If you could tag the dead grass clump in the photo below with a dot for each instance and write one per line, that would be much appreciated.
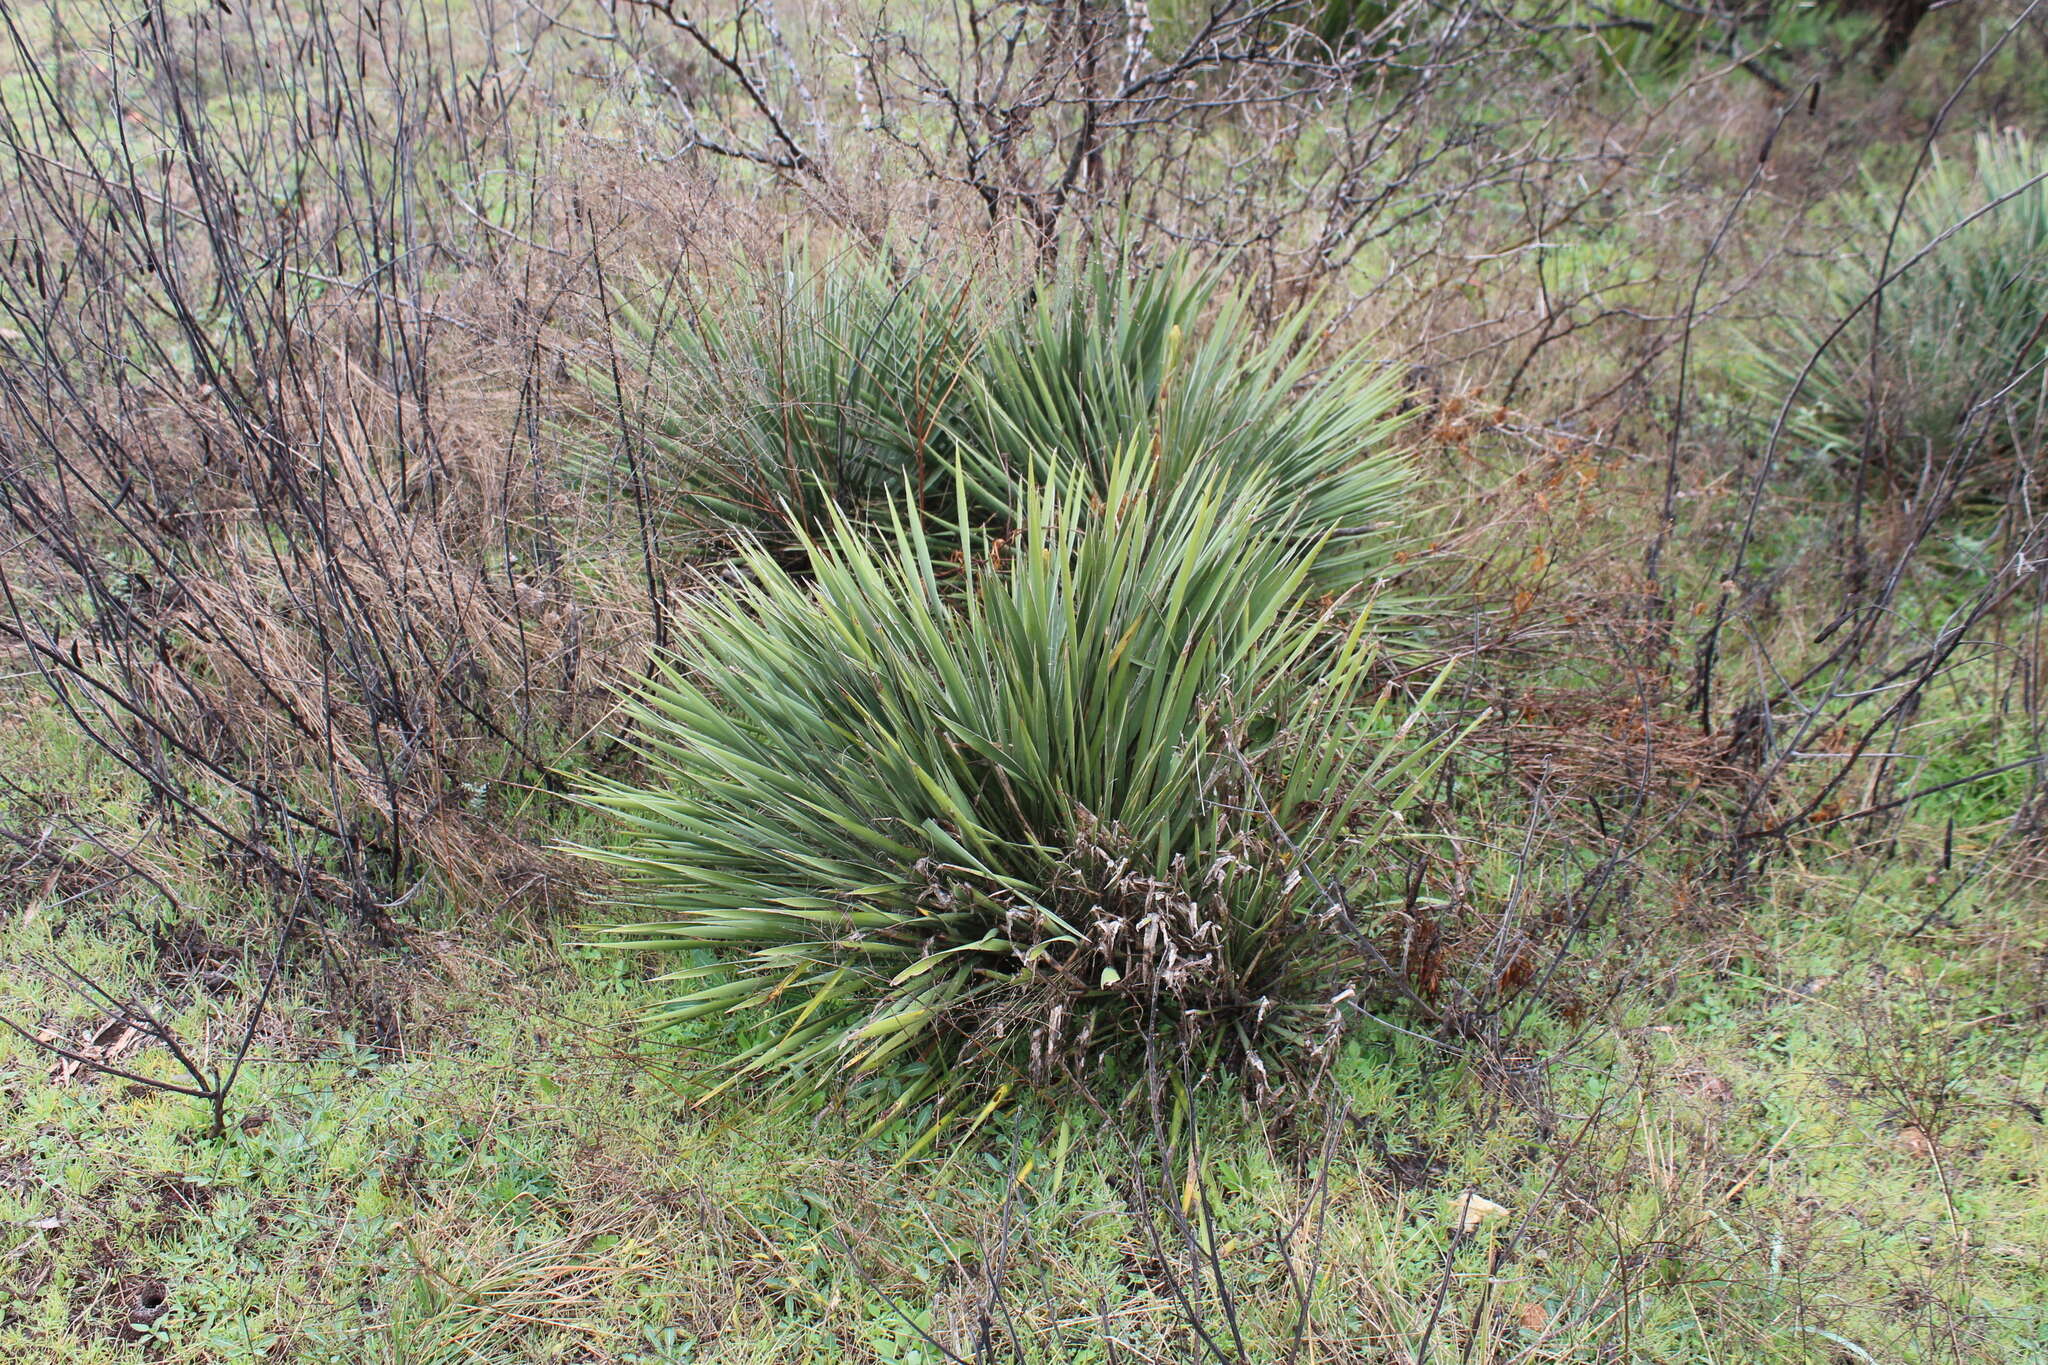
(1599, 743)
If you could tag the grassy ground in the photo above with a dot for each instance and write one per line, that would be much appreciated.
(1813, 1132)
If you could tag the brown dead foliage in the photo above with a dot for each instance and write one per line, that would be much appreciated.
(1596, 742)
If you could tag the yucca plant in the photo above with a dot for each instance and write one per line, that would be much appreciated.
(952, 830)
(801, 392)
(1659, 41)
(826, 388)
(1965, 339)
(1106, 360)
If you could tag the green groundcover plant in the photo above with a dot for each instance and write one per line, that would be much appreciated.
(952, 827)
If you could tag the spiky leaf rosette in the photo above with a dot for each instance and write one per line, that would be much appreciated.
(821, 388)
(1163, 361)
(795, 394)
(1964, 357)
(951, 828)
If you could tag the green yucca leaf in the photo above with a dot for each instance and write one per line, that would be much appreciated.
(806, 390)
(1104, 363)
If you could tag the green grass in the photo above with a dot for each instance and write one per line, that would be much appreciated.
(1785, 1154)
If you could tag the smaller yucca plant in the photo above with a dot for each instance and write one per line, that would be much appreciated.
(796, 394)
(1964, 335)
(1107, 360)
(950, 829)
(830, 386)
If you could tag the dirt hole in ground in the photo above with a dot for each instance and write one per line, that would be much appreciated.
(141, 1302)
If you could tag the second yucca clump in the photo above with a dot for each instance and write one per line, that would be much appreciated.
(832, 386)
(1962, 360)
